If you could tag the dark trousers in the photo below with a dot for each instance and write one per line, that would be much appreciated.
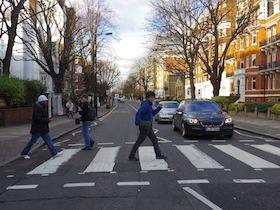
(141, 138)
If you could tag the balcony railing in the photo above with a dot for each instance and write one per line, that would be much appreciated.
(270, 40)
(271, 65)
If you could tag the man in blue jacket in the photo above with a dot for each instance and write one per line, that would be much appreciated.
(144, 119)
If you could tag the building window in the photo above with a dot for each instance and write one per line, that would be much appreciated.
(254, 56)
(270, 8)
(254, 39)
(253, 83)
(247, 61)
(242, 44)
(242, 63)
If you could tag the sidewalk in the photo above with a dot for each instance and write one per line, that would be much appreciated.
(14, 138)
(263, 127)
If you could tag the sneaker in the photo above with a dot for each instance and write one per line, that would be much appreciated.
(161, 157)
(86, 148)
(132, 159)
(91, 143)
(26, 157)
(58, 154)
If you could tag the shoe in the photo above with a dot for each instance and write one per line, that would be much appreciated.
(86, 148)
(26, 157)
(91, 143)
(161, 157)
(58, 154)
(132, 159)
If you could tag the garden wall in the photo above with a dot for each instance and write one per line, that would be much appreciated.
(15, 116)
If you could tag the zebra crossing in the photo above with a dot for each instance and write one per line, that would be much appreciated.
(105, 159)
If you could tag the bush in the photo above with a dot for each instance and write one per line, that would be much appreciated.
(238, 106)
(275, 109)
(12, 90)
(33, 88)
(262, 107)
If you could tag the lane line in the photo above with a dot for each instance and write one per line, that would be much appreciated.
(51, 165)
(248, 181)
(245, 157)
(191, 141)
(75, 145)
(148, 161)
(202, 199)
(163, 140)
(268, 148)
(198, 158)
(141, 183)
(84, 184)
(22, 187)
(106, 143)
(193, 181)
(104, 161)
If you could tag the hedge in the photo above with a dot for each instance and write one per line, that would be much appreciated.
(20, 93)
(275, 109)
(262, 107)
(238, 106)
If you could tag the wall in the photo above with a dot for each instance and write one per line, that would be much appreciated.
(15, 116)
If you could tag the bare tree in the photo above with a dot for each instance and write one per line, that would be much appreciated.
(107, 72)
(9, 20)
(172, 21)
(53, 33)
(215, 46)
(98, 22)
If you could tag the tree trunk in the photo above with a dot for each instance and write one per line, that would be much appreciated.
(192, 86)
(58, 83)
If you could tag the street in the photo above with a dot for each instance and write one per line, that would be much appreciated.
(199, 173)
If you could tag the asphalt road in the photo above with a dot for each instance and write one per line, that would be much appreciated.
(200, 173)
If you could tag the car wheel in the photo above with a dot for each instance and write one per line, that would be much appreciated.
(229, 136)
(184, 131)
(175, 128)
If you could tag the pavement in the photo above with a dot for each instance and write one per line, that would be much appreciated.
(14, 138)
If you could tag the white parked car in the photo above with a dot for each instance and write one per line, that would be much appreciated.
(167, 111)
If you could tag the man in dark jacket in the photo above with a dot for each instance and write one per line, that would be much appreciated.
(86, 122)
(144, 118)
(40, 127)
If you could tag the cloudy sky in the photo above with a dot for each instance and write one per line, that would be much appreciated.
(131, 16)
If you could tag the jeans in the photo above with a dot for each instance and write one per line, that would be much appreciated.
(141, 138)
(47, 139)
(87, 138)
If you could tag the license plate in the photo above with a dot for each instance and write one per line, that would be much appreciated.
(212, 129)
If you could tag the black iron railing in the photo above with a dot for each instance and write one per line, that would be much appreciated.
(270, 65)
(270, 40)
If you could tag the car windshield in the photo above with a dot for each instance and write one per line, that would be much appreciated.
(202, 107)
(173, 105)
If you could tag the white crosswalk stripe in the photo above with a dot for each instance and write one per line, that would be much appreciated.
(245, 157)
(51, 165)
(104, 161)
(198, 158)
(148, 161)
(268, 148)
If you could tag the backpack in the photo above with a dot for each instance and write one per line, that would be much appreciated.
(91, 113)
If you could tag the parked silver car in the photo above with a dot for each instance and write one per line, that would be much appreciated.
(167, 111)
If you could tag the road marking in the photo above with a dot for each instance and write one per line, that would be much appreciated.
(218, 141)
(93, 124)
(202, 199)
(74, 133)
(248, 181)
(245, 157)
(66, 140)
(155, 130)
(142, 183)
(249, 141)
(242, 134)
(75, 145)
(198, 158)
(106, 143)
(10, 176)
(51, 165)
(148, 161)
(84, 184)
(132, 107)
(163, 140)
(22, 187)
(104, 161)
(268, 148)
(191, 141)
(130, 142)
(193, 181)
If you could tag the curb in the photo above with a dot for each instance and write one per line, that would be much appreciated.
(256, 132)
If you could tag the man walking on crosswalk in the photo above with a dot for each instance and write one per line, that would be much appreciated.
(144, 119)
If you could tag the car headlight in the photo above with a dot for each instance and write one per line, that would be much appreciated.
(193, 121)
(228, 120)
